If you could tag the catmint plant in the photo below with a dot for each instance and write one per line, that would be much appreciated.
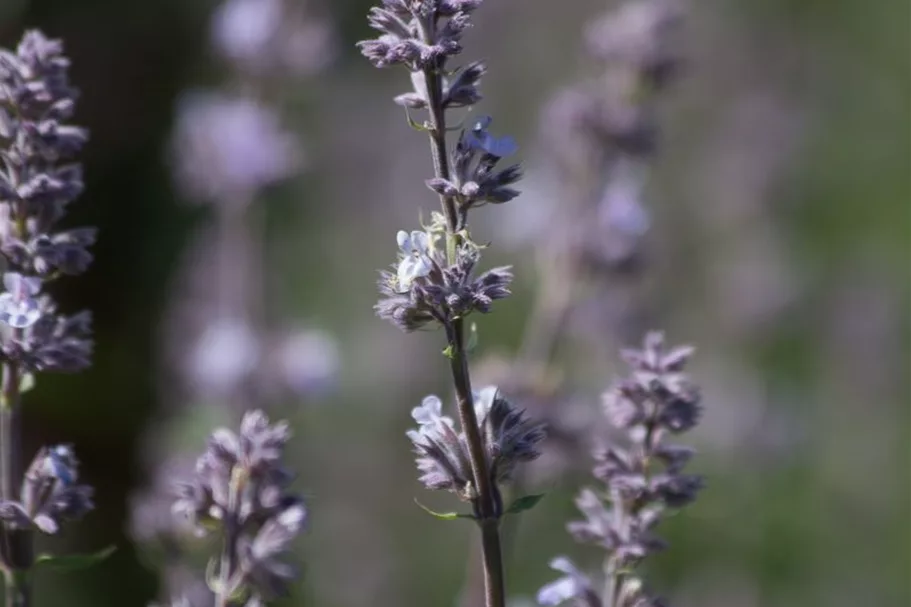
(38, 180)
(229, 147)
(436, 281)
(643, 479)
(240, 490)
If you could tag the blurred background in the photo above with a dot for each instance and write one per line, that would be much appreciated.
(778, 206)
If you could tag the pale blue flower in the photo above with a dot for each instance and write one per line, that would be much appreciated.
(416, 261)
(18, 306)
(574, 585)
(482, 140)
(429, 415)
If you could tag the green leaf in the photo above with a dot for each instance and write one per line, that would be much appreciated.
(424, 128)
(524, 503)
(449, 352)
(446, 516)
(75, 562)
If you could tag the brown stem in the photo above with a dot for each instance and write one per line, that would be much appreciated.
(487, 503)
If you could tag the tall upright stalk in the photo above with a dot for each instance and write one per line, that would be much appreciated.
(38, 181)
(455, 336)
(437, 285)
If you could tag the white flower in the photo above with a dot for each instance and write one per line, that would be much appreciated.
(570, 586)
(18, 306)
(416, 261)
(429, 415)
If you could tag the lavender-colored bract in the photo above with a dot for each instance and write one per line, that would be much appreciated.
(642, 480)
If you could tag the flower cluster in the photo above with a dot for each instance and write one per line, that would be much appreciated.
(475, 182)
(240, 488)
(642, 481)
(425, 288)
(418, 34)
(507, 435)
(37, 182)
(604, 133)
(50, 494)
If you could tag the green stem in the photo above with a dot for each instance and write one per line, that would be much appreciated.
(229, 547)
(17, 543)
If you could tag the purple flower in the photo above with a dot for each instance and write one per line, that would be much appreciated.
(227, 149)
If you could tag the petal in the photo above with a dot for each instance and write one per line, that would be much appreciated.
(415, 437)
(423, 266)
(558, 591)
(11, 281)
(407, 272)
(46, 524)
(433, 406)
(561, 563)
(501, 146)
(429, 412)
(31, 285)
(19, 314)
(483, 401)
(420, 241)
(403, 241)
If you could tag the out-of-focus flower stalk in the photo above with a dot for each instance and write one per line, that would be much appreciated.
(643, 479)
(36, 185)
(230, 146)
